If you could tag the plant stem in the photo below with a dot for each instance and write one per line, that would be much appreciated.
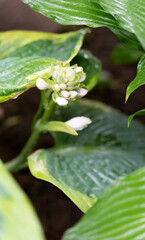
(21, 160)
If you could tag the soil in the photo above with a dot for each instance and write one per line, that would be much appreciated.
(56, 212)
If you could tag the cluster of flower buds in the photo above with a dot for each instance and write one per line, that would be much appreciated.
(66, 83)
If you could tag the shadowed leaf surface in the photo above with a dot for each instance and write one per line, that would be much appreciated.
(83, 166)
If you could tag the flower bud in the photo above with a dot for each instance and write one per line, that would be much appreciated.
(56, 87)
(82, 78)
(81, 92)
(41, 84)
(65, 94)
(79, 123)
(64, 81)
(61, 101)
(79, 69)
(73, 94)
(70, 74)
(62, 86)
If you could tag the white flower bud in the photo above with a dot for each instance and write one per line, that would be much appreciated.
(81, 92)
(41, 84)
(79, 69)
(65, 94)
(62, 86)
(73, 94)
(79, 123)
(70, 74)
(55, 75)
(56, 87)
(83, 77)
(61, 101)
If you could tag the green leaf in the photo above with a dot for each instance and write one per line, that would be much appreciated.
(122, 54)
(139, 113)
(83, 166)
(139, 80)
(60, 47)
(57, 127)
(91, 66)
(82, 12)
(17, 217)
(120, 213)
(129, 14)
(26, 56)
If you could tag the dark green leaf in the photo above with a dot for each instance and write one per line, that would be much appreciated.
(122, 54)
(139, 80)
(85, 165)
(130, 14)
(91, 66)
(82, 12)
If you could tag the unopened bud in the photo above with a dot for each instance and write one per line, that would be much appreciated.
(73, 94)
(82, 78)
(79, 123)
(79, 69)
(70, 74)
(62, 86)
(61, 101)
(41, 84)
(81, 92)
(65, 94)
(56, 87)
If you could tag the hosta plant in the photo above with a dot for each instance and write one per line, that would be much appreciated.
(97, 161)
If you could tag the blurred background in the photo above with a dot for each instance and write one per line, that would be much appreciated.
(56, 211)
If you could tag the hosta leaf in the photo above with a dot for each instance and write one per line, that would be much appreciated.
(139, 113)
(120, 213)
(25, 56)
(60, 47)
(17, 217)
(57, 127)
(91, 66)
(139, 80)
(82, 12)
(122, 54)
(85, 165)
(130, 14)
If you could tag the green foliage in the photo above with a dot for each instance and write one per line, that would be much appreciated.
(82, 12)
(126, 18)
(139, 113)
(85, 165)
(124, 55)
(17, 217)
(120, 213)
(80, 166)
(129, 14)
(91, 66)
(56, 126)
(139, 80)
(25, 56)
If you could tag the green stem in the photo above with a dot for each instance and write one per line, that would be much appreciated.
(21, 160)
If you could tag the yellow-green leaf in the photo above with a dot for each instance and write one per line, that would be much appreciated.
(18, 220)
(57, 126)
(26, 56)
